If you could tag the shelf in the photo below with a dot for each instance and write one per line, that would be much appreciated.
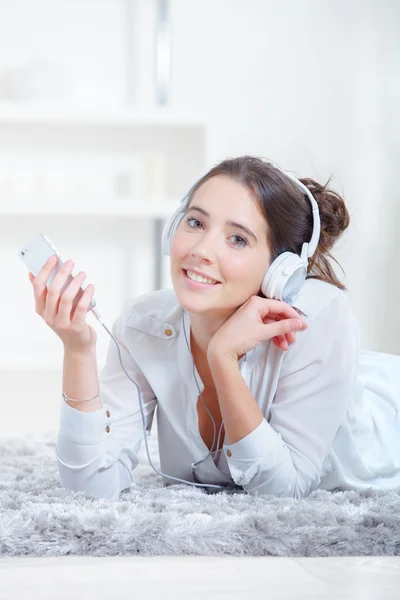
(57, 114)
(32, 365)
(36, 366)
(160, 209)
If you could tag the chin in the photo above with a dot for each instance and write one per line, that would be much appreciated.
(189, 302)
(192, 303)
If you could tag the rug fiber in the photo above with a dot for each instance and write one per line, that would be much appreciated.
(40, 518)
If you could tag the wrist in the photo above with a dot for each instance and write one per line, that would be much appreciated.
(80, 355)
(216, 357)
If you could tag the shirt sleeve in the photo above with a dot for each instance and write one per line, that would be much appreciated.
(97, 451)
(284, 456)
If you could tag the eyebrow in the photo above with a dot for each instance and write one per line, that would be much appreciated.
(229, 222)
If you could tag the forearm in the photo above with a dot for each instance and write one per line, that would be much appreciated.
(239, 410)
(81, 380)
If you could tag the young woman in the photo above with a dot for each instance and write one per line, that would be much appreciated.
(252, 344)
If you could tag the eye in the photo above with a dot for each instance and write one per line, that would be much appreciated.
(192, 219)
(243, 240)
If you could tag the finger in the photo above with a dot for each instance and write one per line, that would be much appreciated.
(65, 305)
(280, 342)
(288, 313)
(39, 284)
(54, 290)
(44, 273)
(81, 309)
(277, 340)
(274, 308)
(280, 317)
(283, 342)
(290, 337)
(282, 327)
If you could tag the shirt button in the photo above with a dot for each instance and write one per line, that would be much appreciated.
(229, 453)
(107, 413)
(168, 332)
(108, 429)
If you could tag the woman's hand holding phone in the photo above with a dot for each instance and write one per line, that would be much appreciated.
(57, 310)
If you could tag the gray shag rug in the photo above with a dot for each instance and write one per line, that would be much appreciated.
(40, 518)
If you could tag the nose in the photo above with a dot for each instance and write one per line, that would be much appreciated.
(200, 253)
(205, 248)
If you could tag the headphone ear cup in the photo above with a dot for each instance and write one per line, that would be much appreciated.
(268, 282)
(169, 231)
(284, 277)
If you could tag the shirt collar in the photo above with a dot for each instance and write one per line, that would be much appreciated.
(186, 359)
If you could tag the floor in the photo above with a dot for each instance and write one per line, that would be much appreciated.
(195, 577)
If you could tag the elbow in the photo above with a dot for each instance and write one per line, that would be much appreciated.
(104, 484)
(296, 486)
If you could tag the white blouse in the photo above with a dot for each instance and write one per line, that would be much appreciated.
(331, 411)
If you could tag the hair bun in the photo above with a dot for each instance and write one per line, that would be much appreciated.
(334, 215)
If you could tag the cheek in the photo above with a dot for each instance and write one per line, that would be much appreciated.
(248, 273)
(239, 267)
(179, 248)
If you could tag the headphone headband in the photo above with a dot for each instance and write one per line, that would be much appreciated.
(313, 243)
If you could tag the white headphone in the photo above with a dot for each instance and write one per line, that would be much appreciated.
(287, 272)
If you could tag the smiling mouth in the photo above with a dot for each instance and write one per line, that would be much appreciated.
(199, 283)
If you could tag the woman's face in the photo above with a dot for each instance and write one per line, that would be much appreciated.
(209, 241)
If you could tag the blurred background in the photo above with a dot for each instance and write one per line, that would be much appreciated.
(109, 109)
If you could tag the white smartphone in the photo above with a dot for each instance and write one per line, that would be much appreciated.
(36, 252)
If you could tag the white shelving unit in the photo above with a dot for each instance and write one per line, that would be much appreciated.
(153, 209)
(98, 178)
(50, 113)
(124, 230)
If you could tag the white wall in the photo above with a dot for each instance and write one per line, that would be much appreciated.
(84, 39)
(313, 85)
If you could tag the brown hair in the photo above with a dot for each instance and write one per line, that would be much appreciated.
(288, 211)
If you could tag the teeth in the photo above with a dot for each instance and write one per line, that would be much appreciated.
(199, 278)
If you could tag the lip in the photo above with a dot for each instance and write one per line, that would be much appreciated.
(197, 284)
(200, 273)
